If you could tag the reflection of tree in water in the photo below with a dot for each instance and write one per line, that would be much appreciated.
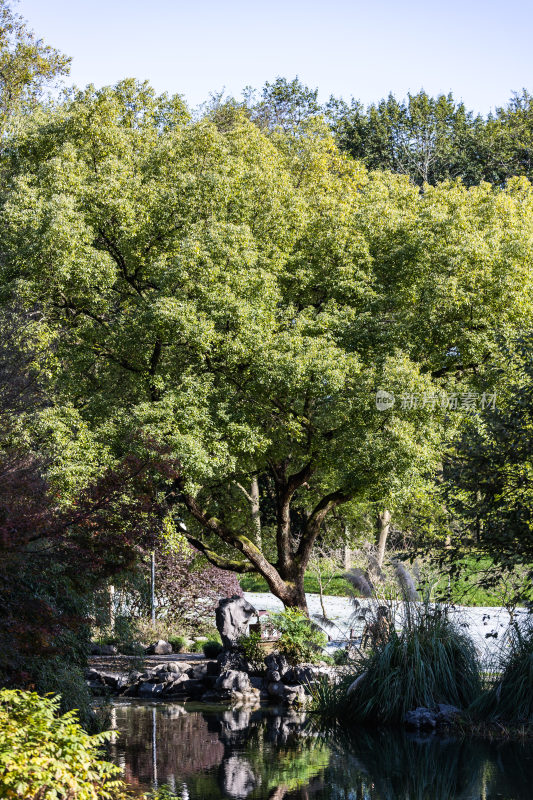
(278, 754)
(394, 765)
(265, 756)
(185, 744)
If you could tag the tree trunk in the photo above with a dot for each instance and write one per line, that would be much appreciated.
(256, 510)
(347, 553)
(383, 525)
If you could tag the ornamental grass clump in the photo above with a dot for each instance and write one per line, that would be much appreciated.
(510, 699)
(429, 661)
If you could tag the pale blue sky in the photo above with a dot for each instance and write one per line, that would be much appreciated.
(479, 50)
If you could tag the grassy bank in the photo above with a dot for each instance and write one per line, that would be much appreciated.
(470, 587)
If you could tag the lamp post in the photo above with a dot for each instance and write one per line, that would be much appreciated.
(152, 585)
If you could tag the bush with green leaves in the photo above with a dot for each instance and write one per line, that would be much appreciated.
(250, 647)
(300, 640)
(212, 648)
(43, 754)
(178, 643)
(46, 756)
(429, 661)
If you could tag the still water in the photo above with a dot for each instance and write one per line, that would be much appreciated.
(209, 754)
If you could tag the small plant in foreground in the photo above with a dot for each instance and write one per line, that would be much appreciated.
(300, 640)
(43, 754)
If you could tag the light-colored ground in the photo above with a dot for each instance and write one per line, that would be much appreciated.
(486, 626)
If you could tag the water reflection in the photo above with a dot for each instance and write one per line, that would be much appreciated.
(214, 754)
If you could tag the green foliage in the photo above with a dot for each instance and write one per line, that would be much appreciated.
(340, 657)
(430, 661)
(489, 472)
(300, 640)
(178, 643)
(510, 699)
(337, 586)
(250, 647)
(212, 648)
(27, 66)
(42, 753)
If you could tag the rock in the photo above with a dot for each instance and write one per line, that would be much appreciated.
(276, 690)
(93, 675)
(166, 672)
(229, 659)
(176, 685)
(233, 615)
(100, 680)
(233, 681)
(210, 697)
(132, 690)
(194, 689)
(159, 648)
(134, 676)
(353, 686)
(198, 672)
(295, 695)
(421, 718)
(171, 666)
(151, 689)
(256, 683)
(277, 662)
(103, 650)
(446, 714)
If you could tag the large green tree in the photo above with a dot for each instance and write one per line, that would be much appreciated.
(235, 299)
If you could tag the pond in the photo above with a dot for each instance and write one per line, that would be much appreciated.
(207, 753)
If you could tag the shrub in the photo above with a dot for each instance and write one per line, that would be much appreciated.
(511, 698)
(250, 647)
(178, 643)
(300, 640)
(430, 661)
(341, 657)
(44, 755)
(42, 752)
(212, 648)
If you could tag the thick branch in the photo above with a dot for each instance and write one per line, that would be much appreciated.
(314, 522)
(285, 489)
(219, 561)
(237, 541)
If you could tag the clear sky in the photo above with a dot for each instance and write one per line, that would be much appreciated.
(481, 51)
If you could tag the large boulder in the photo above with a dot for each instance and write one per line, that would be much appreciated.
(233, 616)
(233, 681)
(103, 650)
(159, 648)
(276, 662)
(230, 659)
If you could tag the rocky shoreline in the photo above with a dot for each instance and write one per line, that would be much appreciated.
(227, 679)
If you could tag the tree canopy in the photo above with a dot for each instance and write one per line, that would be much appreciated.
(235, 297)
